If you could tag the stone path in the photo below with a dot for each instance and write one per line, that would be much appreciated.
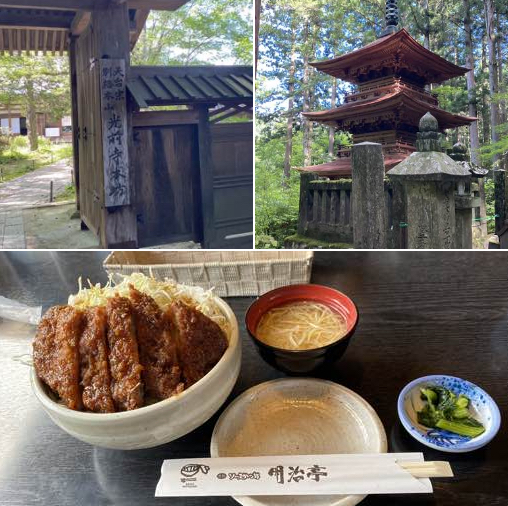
(33, 188)
(26, 191)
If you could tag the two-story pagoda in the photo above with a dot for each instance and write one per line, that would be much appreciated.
(391, 74)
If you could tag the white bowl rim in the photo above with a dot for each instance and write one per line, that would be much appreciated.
(104, 418)
(345, 500)
(383, 441)
(468, 446)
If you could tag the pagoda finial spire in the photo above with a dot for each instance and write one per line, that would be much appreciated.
(391, 18)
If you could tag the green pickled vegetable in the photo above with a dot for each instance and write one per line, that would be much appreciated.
(447, 411)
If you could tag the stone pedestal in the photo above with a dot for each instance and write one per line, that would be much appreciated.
(368, 196)
(430, 179)
(430, 214)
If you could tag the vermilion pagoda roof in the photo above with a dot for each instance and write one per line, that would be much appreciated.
(342, 166)
(391, 54)
(400, 100)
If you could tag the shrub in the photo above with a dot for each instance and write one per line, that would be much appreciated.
(19, 143)
(45, 146)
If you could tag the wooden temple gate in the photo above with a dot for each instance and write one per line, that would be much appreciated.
(144, 178)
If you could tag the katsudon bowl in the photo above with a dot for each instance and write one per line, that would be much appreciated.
(157, 423)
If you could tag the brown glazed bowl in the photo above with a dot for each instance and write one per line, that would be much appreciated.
(301, 362)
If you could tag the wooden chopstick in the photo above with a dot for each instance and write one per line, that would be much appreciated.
(431, 469)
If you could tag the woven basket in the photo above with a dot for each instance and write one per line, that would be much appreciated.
(229, 273)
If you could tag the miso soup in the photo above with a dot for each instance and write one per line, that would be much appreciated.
(301, 325)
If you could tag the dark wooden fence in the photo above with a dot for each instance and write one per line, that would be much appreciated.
(165, 154)
(232, 184)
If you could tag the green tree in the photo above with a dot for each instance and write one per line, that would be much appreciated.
(200, 32)
(37, 84)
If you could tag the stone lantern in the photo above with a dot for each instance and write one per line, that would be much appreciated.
(430, 179)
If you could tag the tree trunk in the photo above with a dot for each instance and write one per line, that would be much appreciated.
(331, 130)
(426, 34)
(307, 155)
(502, 103)
(485, 108)
(31, 115)
(473, 130)
(257, 15)
(499, 180)
(290, 119)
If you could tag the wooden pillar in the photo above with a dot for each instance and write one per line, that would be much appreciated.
(111, 32)
(74, 113)
(368, 195)
(206, 176)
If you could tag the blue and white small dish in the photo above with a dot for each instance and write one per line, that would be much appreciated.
(482, 407)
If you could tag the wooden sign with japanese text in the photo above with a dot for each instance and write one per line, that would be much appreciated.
(114, 133)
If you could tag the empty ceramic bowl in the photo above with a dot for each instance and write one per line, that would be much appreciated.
(302, 362)
(298, 416)
(482, 407)
(157, 423)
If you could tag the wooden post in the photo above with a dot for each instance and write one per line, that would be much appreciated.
(368, 206)
(74, 113)
(111, 24)
(206, 176)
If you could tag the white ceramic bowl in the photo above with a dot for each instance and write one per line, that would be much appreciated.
(298, 416)
(157, 423)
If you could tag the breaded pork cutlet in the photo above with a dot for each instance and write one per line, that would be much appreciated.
(157, 349)
(56, 353)
(200, 341)
(126, 387)
(93, 355)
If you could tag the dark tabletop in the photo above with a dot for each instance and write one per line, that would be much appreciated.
(420, 313)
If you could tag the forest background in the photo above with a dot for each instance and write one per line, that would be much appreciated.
(293, 33)
(202, 32)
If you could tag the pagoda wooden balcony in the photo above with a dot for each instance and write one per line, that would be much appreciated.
(388, 147)
(370, 93)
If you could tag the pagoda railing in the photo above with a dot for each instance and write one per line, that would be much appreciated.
(379, 91)
(388, 147)
(325, 211)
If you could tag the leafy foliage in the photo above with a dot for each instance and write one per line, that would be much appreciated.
(200, 32)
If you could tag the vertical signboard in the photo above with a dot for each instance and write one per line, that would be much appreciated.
(114, 133)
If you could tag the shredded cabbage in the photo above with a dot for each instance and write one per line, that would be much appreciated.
(163, 292)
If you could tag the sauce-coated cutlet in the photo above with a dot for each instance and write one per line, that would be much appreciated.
(56, 354)
(200, 341)
(157, 348)
(126, 387)
(117, 357)
(94, 362)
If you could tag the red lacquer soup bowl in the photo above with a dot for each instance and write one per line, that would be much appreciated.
(303, 361)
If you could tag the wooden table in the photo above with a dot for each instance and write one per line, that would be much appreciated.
(420, 313)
